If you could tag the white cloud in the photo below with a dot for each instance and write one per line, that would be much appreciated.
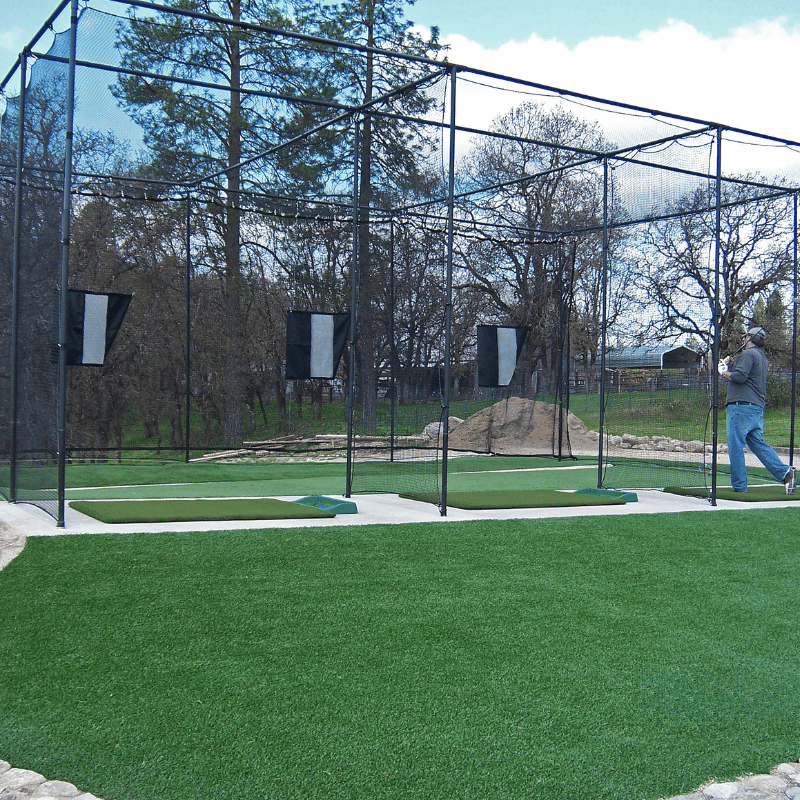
(11, 40)
(743, 81)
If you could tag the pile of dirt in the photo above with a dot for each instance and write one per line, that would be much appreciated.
(518, 426)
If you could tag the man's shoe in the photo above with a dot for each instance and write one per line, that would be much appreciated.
(790, 480)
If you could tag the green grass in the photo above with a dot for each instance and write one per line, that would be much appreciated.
(269, 423)
(107, 481)
(203, 480)
(778, 427)
(176, 472)
(622, 658)
(681, 413)
(476, 473)
(677, 414)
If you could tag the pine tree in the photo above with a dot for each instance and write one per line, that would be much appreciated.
(389, 148)
(270, 89)
(194, 129)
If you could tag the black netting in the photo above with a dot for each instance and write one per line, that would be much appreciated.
(222, 199)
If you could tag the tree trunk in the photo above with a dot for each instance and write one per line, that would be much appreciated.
(367, 315)
(232, 432)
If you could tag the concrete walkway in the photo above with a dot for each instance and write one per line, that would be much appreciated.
(373, 509)
(18, 522)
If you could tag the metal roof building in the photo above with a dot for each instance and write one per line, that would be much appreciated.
(662, 357)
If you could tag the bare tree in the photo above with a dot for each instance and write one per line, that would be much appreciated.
(676, 277)
(521, 255)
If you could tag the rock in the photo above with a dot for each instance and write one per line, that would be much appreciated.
(721, 791)
(433, 429)
(17, 778)
(763, 783)
(792, 770)
(11, 545)
(57, 790)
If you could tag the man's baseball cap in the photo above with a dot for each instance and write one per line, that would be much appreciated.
(758, 336)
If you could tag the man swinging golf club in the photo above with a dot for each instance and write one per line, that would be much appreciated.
(744, 407)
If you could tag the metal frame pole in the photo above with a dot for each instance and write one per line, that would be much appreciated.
(794, 337)
(603, 323)
(561, 344)
(717, 315)
(448, 313)
(187, 436)
(351, 378)
(66, 211)
(15, 266)
(392, 344)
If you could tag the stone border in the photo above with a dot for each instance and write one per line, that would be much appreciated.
(19, 783)
(12, 544)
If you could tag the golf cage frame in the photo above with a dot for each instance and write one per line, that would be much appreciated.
(635, 171)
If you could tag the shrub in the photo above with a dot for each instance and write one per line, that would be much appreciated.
(779, 392)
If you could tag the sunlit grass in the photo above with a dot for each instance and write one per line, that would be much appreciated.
(620, 657)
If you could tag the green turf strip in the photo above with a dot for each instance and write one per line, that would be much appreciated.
(534, 498)
(96, 475)
(126, 511)
(754, 494)
(117, 482)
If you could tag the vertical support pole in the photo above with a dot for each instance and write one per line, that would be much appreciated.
(561, 343)
(66, 211)
(392, 343)
(351, 378)
(603, 323)
(187, 437)
(717, 310)
(567, 358)
(448, 312)
(573, 257)
(794, 336)
(15, 266)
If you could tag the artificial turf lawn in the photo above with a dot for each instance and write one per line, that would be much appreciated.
(484, 473)
(534, 498)
(604, 657)
(754, 494)
(86, 475)
(128, 511)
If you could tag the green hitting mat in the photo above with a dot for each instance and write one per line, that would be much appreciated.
(332, 504)
(754, 494)
(533, 498)
(625, 497)
(120, 512)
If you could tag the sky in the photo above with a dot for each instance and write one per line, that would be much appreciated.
(731, 63)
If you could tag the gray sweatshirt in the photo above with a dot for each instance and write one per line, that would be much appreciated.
(748, 382)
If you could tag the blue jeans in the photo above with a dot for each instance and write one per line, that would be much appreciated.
(746, 427)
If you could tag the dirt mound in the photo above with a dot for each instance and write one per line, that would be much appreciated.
(521, 427)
